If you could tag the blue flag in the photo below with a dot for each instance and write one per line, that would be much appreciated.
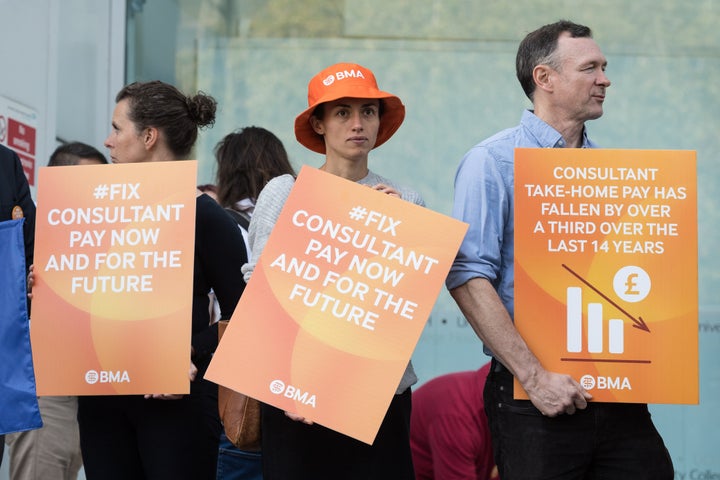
(18, 401)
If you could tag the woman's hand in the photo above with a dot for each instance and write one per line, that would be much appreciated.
(30, 281)
(192, 373)
(385, 189)
(298, 418)
(164, 396)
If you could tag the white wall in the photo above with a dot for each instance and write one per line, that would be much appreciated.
(28, 55)
(64, 59)
(90, 68)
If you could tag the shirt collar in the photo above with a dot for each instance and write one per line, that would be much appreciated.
(545, 135)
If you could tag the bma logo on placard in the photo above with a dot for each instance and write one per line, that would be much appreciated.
(106, 376)
(278, 387)
(589, 382)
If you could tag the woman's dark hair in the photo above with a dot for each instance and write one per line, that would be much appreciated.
(247, 159)
(175, 115)
(538, 48)
(71, 153)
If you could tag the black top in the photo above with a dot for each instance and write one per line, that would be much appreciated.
(219, 255)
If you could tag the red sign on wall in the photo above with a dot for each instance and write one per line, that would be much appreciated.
(18, 131)
(21, 137)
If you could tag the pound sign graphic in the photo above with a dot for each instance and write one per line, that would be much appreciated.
(631, 285)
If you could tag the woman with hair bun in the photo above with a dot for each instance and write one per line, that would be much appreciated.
(168, 436)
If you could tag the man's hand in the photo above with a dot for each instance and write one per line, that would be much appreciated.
(552, 393)
(556, 394)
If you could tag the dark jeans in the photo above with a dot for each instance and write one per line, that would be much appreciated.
(236, 464)
(606, 441)
(294, 451)
(127, 437)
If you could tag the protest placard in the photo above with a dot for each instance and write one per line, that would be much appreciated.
(114, 258)
(336, 303)
(606, 269)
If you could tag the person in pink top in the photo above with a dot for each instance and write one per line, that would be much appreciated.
(449, 433)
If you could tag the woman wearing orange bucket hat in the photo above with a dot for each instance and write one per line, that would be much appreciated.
(347, 116)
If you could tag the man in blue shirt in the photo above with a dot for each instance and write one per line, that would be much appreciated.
(558, 434)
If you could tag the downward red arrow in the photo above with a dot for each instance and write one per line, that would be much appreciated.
(638, 322)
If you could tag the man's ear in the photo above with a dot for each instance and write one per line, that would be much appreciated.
(542, 76)
(150, 137)
(317, 125)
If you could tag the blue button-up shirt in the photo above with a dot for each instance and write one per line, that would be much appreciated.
(484, 199)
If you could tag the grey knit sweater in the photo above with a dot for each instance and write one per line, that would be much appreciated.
(267, 209)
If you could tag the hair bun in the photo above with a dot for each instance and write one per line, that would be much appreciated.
(202, 108)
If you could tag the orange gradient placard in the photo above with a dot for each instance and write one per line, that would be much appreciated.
(606, 285)
(337, 302)
(112, 300)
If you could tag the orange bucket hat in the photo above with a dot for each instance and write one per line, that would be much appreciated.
(353, 81)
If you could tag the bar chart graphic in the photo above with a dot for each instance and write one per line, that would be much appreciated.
(595, 327)
(596, 335)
